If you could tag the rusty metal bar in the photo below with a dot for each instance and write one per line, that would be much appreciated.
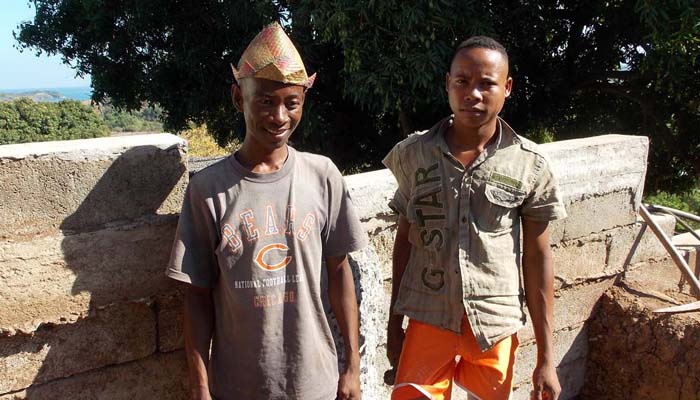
(675, 212)
(688, 228)
(678, 309)
(668, 245)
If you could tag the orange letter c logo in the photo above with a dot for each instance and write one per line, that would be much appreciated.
(260, 259)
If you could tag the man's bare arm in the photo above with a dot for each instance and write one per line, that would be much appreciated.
(198, 330)
(400, 256)
(538, 274)
(341, 293)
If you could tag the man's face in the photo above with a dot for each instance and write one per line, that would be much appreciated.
(477, 86)
(272, 110)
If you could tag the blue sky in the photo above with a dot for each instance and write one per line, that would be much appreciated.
(26, 70)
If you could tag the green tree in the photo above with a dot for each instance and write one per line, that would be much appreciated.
(581, 68)
(146, 119)
(395, 52)
(174, 54)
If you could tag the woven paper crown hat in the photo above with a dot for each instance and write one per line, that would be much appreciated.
(272, 55)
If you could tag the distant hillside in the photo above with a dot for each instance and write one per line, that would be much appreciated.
(36, 95)
(50, 94)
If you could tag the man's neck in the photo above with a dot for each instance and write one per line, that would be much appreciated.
(261, 162)
(466, 143)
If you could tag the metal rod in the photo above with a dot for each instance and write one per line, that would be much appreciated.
(668, 245)
(675, 212)
(678, 220)
(682, 308)
(689, 229)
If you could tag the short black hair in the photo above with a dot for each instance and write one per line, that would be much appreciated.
(479, 42)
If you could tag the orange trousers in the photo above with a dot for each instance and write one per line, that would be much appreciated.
(432, 358)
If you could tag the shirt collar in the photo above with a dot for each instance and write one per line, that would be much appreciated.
(505, 135)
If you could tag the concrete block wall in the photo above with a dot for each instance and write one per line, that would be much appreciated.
(85, 310)
(87, 228)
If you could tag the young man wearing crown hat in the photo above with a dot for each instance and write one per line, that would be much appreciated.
(464, 188)
(252, 235)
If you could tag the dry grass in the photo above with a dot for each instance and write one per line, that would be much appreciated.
(201, 144)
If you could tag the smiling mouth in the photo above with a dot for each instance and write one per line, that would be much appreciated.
(277, 132)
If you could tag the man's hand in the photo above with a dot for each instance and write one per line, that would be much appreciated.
(545, 382)
(349, 385)
(394, 339)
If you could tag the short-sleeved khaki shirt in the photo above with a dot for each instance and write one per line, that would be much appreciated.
(465, 228)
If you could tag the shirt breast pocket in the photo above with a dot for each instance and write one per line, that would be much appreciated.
(500, 208)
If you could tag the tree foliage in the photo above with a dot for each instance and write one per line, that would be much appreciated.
(395, 52)
(580, 67)
(23, 121)
(146, 119)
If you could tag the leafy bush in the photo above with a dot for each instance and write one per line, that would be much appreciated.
(686, 201)
(23, 121)
(200, 143)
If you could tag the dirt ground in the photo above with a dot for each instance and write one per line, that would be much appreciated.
(637, 354)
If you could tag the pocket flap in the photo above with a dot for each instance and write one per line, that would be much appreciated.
(504, 197)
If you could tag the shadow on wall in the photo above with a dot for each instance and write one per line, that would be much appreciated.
(116, 246)
(573, 369)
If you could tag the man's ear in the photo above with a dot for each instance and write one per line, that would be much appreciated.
(509, 86)
(237, 97)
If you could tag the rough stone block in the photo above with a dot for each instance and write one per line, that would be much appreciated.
(662, 278)
(592, 166)
(170, 321)
(57, 279)
(601, 189)
(579, 260)
(196, 164)
(595, 214)
(80, 185)
(382, 241)
(374, 308)
(371, 192)
(113, 335)
(161, 376)
(572, 307)
(689, 246)
(637, 243)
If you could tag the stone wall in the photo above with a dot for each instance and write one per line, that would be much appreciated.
(86, 312)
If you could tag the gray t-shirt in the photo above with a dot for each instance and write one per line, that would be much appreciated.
(258, 240)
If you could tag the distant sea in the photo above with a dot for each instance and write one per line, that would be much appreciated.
(54, 94)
